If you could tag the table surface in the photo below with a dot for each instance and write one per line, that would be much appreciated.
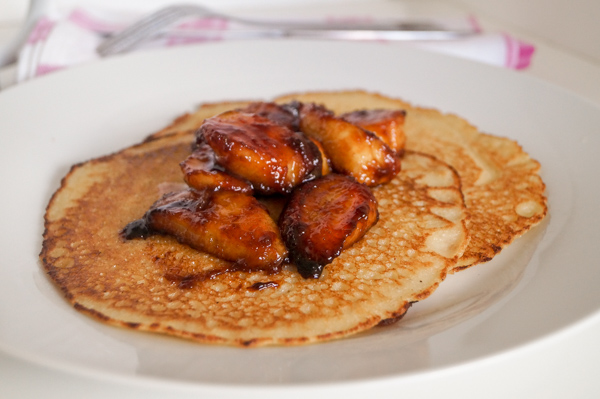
(566, 366)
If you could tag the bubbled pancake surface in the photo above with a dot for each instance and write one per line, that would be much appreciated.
(419, 237)
(503, 191)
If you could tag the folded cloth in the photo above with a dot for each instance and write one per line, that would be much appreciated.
(61, 40)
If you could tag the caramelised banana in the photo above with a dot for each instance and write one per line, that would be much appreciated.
(284, 114)
(352, 150)
(201, 172)
(227, 224)
(387, 124)
(273, 158)
(325, 162)
(323, 217)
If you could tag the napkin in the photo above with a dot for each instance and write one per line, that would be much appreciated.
(63, 39)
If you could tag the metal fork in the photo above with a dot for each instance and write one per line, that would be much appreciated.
(152, 24)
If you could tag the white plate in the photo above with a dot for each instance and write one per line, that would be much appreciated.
(542, 285)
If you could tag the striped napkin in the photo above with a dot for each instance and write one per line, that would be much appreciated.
(61, 40)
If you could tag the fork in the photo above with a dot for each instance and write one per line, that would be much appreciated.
(153, 23)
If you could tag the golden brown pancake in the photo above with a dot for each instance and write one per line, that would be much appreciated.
(158, 284)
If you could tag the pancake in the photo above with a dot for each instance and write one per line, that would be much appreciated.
(160, 285)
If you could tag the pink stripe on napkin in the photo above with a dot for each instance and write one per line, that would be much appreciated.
(43, 69)
(178, 41)
(475, 24)
(518, 53)
(204, 23)
(41, 31)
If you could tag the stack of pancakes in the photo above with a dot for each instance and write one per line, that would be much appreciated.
(460, 197)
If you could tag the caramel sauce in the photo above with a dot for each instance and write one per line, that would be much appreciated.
(136, 229)
(284, 115)
(263, 285)
(189, 280)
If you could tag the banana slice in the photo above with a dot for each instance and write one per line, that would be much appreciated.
(273, 158)
(353, 150)
(324, 217)
(387, 124)
(230, 225)
(201, 172)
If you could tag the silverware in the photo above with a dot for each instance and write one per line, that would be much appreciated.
(154, 23)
